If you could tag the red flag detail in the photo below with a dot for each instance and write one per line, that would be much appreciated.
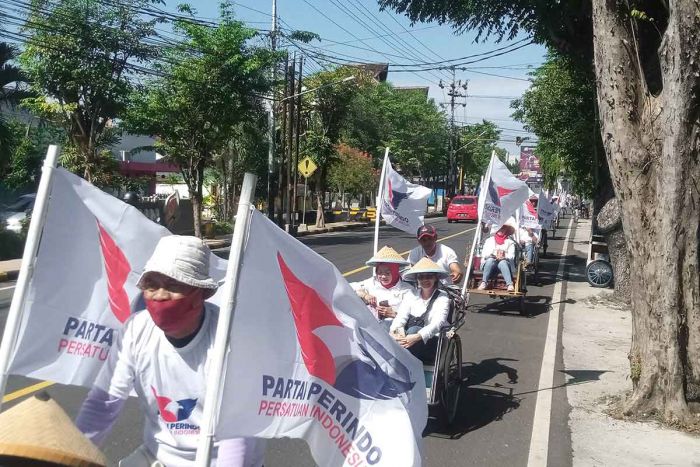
(531, 208)
(503, 191)
(117, 268)
(310, 313)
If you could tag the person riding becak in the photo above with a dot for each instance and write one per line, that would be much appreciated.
(437, 252)
(498, 254)
(384, 291)
(421, 315)
(161, 354)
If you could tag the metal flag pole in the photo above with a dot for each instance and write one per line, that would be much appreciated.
(380, 197)
(212, 399)
(36, 226)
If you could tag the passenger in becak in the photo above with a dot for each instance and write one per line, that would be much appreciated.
(498, 254)
(436, 252)
(385, 290)
(161, 354)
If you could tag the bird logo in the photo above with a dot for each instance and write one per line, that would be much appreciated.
(174, 411)
(395, 197)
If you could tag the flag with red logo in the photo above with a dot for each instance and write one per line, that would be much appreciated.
(528, 215)
(93, 249)
(502, 194)
(546, 209)
(403, 203)
(308, 360)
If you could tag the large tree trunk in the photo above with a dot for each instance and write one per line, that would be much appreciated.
(651, 144)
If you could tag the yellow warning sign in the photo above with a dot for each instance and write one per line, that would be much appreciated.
(307, 167)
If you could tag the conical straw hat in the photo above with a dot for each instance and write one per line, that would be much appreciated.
(387, 255)
(38, 430)
(425, 265)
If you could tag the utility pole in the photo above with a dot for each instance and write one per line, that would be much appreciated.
(271, 121)
(289, 143)
(297, 133)
(454, 93)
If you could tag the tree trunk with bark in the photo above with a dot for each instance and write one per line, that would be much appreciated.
(652, 146)
(609, 222)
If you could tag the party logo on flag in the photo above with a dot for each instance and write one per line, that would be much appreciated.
(395, 197)
(355, 377)
(117, 268)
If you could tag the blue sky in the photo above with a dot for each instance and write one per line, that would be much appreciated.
(426, 42)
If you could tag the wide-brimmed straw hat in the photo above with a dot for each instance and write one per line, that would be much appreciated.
(425, 266)
(183, 258)
(387, 255)
(37, 431)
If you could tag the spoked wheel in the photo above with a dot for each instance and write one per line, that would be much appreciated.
(599, 273)
(451, 380)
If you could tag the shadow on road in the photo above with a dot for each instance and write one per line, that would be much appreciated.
(534, 305)
(577, 377)
(479, 403)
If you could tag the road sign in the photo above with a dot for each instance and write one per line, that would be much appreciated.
(307, 167)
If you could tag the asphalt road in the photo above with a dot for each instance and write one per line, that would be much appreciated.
(502, 353)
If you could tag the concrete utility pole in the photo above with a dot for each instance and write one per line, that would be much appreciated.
(271, 121)
(454, 93)
(289, 144)
(297, 132)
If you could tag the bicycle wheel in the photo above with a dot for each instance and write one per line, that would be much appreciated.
(599, 273)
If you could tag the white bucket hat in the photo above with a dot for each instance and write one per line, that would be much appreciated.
(183, 258)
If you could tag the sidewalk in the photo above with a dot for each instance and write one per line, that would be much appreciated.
(596, 339)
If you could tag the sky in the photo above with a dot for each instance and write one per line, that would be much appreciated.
(346, 21)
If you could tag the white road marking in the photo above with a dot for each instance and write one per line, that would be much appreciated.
(539, 443)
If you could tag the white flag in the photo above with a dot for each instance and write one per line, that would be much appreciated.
(503, 194)
(93, 249)
(403, 203)
(528, 216)
(308, 360)
(546, 209)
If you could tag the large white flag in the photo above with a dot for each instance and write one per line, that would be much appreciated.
(308, 360)
(502, 194)
(403, 202)
(93, 249)
(546, 209)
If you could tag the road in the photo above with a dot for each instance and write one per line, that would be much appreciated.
(502, 350)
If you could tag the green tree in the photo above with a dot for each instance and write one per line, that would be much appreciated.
(81, 59)
(211, 82)
(352, 172)
(475, 143)
(559, 107)
(12, 90)
(21, 161)
(647, 79)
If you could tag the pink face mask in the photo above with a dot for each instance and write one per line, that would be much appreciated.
(175, 316)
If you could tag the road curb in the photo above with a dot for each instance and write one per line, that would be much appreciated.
(6, 293)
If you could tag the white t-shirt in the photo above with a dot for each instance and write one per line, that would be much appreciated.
(169, 381)
(415, 305)
(490, 247)
(444, 256)
(394, 295)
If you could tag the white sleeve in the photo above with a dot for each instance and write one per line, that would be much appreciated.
(450, 256)
(436, 318)
(414, 256)
(487, 249)
(403, 313)
(360, 285)
(116, 377)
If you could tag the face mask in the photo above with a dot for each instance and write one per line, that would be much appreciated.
(174, 316)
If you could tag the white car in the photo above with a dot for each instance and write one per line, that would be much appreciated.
(13, 214)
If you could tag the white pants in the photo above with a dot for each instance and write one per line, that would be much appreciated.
(141, 457)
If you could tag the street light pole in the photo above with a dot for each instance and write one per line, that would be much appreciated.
(271, 120)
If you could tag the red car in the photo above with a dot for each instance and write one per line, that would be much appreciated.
(462, 208)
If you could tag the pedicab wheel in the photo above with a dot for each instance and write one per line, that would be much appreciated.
(451, 380)
(599, 273)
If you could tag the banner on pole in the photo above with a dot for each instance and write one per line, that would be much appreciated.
(92, 252)
(324, 369)
(403, 203)
(502, 194)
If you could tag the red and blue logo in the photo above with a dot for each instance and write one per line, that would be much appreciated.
(395, 197)
(174, 411)
(359, 374)
(497, 192)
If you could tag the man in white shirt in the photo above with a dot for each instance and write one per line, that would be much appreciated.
(162, 355)
(498, 254)
(441, 254)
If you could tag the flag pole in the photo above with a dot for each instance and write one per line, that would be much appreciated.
(477, 237)
(380, 197)
(212, 399)
(31, 246)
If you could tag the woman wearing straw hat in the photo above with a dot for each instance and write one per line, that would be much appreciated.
(161, 355)
(421, 315)
(385, 290)
(498, 254)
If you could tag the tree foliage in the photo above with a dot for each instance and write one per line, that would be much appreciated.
(475, 143)
(210, 83)
(12, 90)
(81, 58)
(560, 108)
(352, 172)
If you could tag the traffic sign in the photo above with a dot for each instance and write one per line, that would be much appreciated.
(307, 167)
